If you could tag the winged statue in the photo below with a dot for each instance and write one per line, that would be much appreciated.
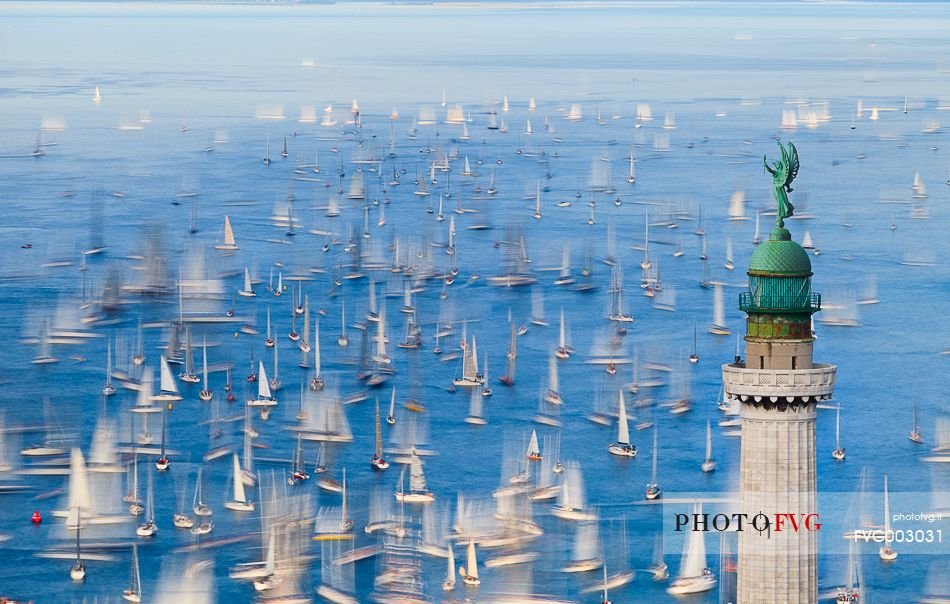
(783, 172)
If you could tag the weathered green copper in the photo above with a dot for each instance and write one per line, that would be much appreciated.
(783, 173)
(779, 255)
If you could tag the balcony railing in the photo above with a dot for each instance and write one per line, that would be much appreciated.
(819, 381)
(781, 302)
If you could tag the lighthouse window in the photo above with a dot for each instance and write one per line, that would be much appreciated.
(793, 362)
(761, 362)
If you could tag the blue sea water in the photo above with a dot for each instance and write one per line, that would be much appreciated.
(212, 68)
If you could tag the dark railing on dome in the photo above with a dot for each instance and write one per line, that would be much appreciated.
(779, 301)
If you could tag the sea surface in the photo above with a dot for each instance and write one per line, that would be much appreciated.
(177, 79)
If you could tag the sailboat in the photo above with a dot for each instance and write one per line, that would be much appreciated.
(659, 568)
(694, 576)
(469, 572)
(563, 351)
(449, 583)
(645, 263)
(298, 469)
(198, 506)
(537, 202)
(148, 528)
(730, 264)
(45, 357)
(476, 414)
(509, 378)
(320, 465)
(267, 579)
(838, 453)
(269, 341)
(719, 314)
(418, 492)
(915, 434)
(632, 175)
(622, 447)
(132, 498)
(97, 96)
(265, 400)
(616, 298)
(206, 392)
(180, 519)
(134, 592)
(189, 375)
(248, 290)
(570, 502)
(852, 591)
(585, 556)
(77, 572)
(553, 394)
(239, 503)
(391, 416)
(316, 380)
(229, 243)
(108, 389)
(342, 341)
(709, 464)
(537, 308)
(139, 357)
(470, 374)
(534, 450)
(757, 237)
(163, 462)
(886, 552)
(653, 489)
(694, 357)
(378, 462)
(486, 389)
(168, 390)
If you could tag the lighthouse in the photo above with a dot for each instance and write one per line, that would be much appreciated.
(779, 385)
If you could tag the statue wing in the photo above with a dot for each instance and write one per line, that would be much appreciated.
(793, 165)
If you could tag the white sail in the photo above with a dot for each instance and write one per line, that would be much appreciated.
(450, 571)
(533, 449)
(247, 280)
(204, 364)
(271, 556)
(562, 335)
(228, 232)
(167, 383)
(694, 552)
(417, 479)
(103, 451)
(316, 348)
(470, 363)
(586, 542)
(263, 386)
(239, 494)
(80, 495)
(719, 311)
(475, 405)
(807, 242)
(472, 562)
(737, 206)
(553, 385)
(623, 431)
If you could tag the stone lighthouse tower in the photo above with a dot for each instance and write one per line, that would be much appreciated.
(779, 386)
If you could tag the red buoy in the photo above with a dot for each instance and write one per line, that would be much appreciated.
(36, 519)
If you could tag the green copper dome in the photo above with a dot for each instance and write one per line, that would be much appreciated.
(780, 256)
